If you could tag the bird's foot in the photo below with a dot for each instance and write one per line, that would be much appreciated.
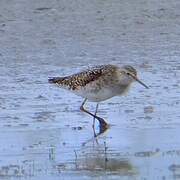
(102, 123)
(82, 108)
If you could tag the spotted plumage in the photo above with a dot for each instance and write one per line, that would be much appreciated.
(79, 80)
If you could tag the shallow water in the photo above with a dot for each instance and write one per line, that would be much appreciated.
(44, 135)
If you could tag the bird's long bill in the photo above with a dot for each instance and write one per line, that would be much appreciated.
(141, 82)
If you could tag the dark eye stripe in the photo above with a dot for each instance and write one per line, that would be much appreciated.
(131, 69)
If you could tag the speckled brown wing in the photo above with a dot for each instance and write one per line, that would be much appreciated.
(81, 79)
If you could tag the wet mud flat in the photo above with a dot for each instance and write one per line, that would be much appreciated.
(43, 134)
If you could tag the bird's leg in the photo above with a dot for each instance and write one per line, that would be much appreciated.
(101, 120)
(95, 114)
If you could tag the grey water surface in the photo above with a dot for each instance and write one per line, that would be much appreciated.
(43, 134)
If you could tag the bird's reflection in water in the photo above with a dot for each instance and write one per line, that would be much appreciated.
(100, 159)
(112, 165)
(96, 157)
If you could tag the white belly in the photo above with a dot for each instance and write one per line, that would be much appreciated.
(101, 94)
(96, 97)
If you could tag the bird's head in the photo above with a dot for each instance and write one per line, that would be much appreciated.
(130, 75)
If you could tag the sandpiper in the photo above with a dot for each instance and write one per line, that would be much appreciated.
(99, 83)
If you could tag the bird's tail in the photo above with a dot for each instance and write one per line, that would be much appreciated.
(54, 80)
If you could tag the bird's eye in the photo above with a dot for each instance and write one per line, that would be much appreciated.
(128, 74)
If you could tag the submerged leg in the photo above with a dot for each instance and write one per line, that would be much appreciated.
(95, 114)
(101, 120)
